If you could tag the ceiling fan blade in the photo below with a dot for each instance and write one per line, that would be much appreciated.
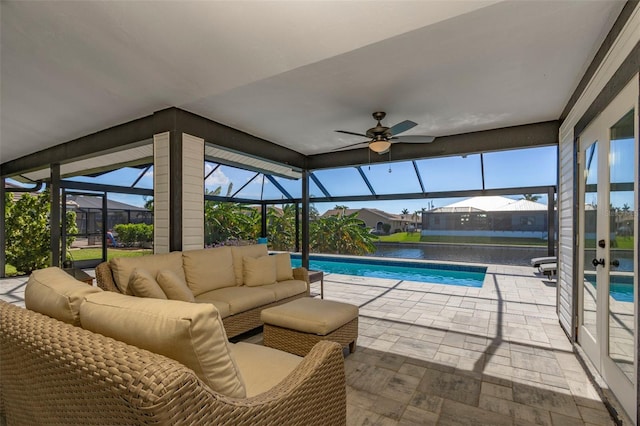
(402, 127)
(345, 148)
(351, 133)
(413, 139)
(352, 145)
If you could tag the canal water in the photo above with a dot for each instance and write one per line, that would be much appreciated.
(476, 253)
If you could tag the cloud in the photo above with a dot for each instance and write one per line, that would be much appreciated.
(217, 178)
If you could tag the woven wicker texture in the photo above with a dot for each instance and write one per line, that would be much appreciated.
(54, 373)
(234, 325)
(104, 278)
(300, 343)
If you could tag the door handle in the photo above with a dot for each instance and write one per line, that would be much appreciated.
(615, 263)
(596, 262)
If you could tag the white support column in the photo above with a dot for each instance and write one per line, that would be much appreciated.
(161, 192)
(192, 192)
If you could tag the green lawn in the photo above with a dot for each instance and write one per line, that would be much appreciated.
(401, 237)
(96, 253)
(88, 254)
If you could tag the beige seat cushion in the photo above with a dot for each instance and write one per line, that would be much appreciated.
(309, 315)
(142, 284)
(208, 269)
(123, 267)
(262, 368)
(243, 298)
(239, 252)
(258, 271)
(55, 293)
(209, 297)
(284, 289)
(190, 333)
(284, 271)
(174, 286)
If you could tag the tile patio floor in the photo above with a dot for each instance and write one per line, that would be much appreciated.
(448, 355)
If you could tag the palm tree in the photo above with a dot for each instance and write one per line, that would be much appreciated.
(405, 211)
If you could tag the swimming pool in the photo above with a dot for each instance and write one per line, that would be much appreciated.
(620, 287)
(434, 273)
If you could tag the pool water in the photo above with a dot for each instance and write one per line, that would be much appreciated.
(466, 276)
(620, 287)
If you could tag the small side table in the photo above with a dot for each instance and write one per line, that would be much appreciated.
(315, 276)
(79, 275)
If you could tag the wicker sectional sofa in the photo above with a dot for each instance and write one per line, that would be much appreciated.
(81, 355)
(239, 280)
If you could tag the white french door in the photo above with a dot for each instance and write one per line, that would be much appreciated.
(607, 238)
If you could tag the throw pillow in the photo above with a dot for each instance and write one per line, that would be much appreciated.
(55, 293)
(240, 252)
(259, 271)
(190, 333)
(284, 271)
(208, 269)
(122, 267)
(174, 287)
(142, 284)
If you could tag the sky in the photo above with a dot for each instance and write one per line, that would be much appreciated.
(518, 168)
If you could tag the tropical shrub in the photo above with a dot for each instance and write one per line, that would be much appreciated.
(340, 234)
(28, 231)
(134, 234)
(224, 221)
(282, 227)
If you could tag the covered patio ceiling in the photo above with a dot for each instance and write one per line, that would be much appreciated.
(69, 69)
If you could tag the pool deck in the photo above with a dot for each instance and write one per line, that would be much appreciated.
(450, 355)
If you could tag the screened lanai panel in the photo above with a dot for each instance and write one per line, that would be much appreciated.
(129, 177)
(343, 181)
(293, 187)
(225, 180)
(451, 173)
(521, 167)
(393, 178)
(314, 190)
(253, 189)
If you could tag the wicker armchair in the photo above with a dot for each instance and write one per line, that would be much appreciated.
(55, 373)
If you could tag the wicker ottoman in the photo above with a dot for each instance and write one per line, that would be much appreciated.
(296, 326)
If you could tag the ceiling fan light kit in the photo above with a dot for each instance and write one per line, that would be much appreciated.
(379, 145)
(381, 137)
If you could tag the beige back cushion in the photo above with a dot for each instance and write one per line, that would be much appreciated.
(240, 252)
(259, 270)
(190, 333)
(123, 267)
(208, 269)
(284, 271)
(143, 284)
(55, 293)
(174, 287)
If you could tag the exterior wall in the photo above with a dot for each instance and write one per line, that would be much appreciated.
(161, 194)
(192, 192)
(371, 219)
(619, 51)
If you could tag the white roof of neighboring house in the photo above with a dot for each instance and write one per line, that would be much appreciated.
(493, 203)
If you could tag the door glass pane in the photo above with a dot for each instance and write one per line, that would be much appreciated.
(622, 225)
(84, 229)
(590, 202)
